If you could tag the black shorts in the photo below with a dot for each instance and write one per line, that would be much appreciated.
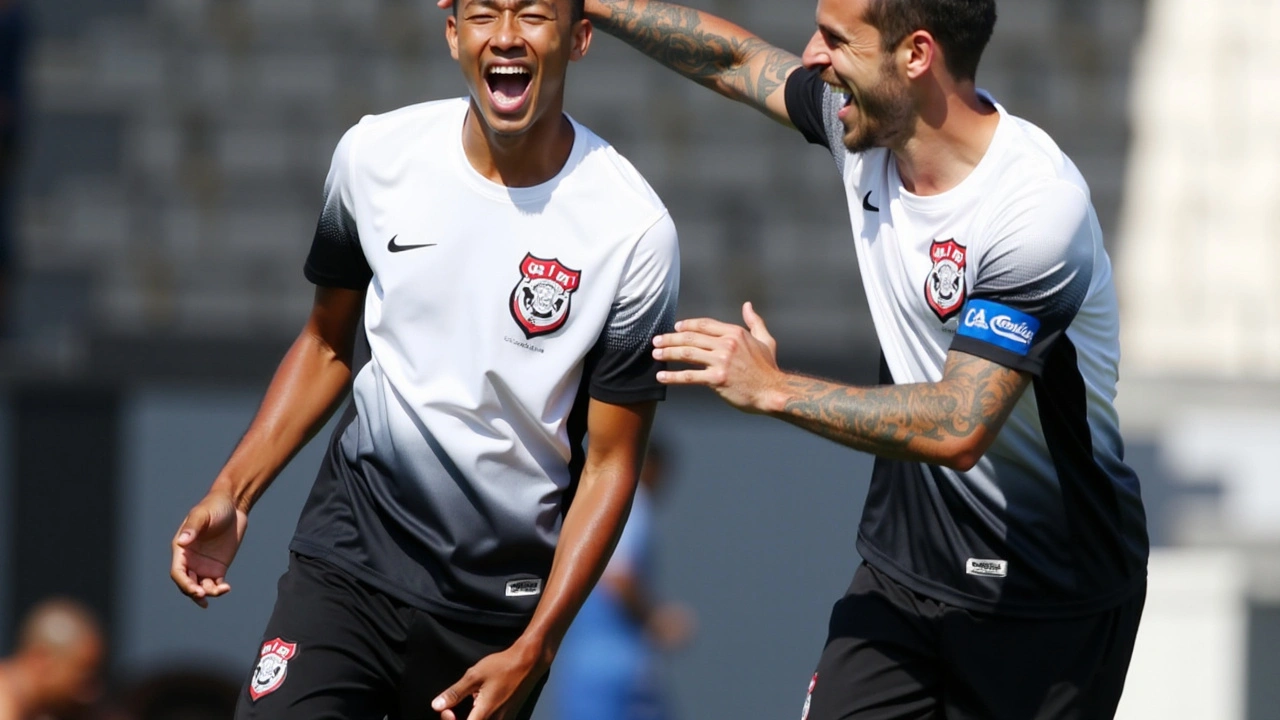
(338, 649)
(892, 654)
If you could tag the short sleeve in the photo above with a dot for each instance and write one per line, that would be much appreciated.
(815, 111)
(623, 369)
(336, 258)
(1031, 279)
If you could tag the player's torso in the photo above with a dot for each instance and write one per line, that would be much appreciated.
(485, 299)
(921, 260)
(917, 266)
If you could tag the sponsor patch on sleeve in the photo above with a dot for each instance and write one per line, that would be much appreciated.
(999, 325)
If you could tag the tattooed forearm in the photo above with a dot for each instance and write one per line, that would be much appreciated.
(700, 46)
(927, 421)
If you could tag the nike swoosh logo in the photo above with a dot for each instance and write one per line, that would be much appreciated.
(393, 247)
(866, 203)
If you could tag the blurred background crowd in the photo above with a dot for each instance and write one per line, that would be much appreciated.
(161, 164)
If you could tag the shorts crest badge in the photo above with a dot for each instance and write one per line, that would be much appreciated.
(273, 665)
(540, 301)
(944, 289)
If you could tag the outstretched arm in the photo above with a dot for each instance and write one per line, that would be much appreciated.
(950, 422)
(704, 48)
(500, 683)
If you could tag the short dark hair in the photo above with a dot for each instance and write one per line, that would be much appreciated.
(961, 27)
(577, 9)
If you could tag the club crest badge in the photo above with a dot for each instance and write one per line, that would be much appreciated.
(540, 302)
(273, 665)
(944, 289)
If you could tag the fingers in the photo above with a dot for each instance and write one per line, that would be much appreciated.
(703, 333)
(192, 585)
(480, 710)
(214, 587)
(184, 578)
(706, 326)
(755, 324)
(444, 4)
(198, 588)
(690, 355)
(711, 377)
(687, 338)
(195, 522)
(449, 699)
(187, 580)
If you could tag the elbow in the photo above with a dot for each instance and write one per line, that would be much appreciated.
(963, 455)
(962, 462)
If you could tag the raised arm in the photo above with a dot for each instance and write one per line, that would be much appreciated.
(704, 48)
(501, 682)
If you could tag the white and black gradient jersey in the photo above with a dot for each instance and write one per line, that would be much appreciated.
(1009, 266)
(492, 314)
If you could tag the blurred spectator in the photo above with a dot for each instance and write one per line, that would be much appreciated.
(609, 663)
(13, 45)
(55, 670)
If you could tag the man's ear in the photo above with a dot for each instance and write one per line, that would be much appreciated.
(581, 39)
(919, 50)
(451, 34)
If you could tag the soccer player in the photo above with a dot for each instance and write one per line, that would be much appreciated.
(489, 277)
(57, 667)
(1003, 536)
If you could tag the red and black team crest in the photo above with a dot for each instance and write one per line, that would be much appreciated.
(540, 302)
(273, 665)
(944, 288)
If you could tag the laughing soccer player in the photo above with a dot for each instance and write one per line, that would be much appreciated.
(488, 274)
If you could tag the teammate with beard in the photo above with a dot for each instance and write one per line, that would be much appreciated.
(1001, 520)
(489, 277)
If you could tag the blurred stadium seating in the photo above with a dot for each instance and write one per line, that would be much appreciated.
(182, 146)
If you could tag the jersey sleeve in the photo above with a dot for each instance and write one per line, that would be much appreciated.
(813, 108)
(1031, 278)
(623, 370)
(336, 258)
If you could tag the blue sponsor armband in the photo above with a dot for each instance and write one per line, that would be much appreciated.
(999, 325)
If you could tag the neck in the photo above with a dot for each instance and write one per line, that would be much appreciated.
(530, 158)
(951, 137)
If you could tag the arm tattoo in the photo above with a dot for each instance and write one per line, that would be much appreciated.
(904, 421)
(724, 58)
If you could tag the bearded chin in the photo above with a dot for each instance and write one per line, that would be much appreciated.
(860, 141)
(885, 117)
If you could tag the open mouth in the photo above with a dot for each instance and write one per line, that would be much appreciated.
(846, 94)
(508, 86)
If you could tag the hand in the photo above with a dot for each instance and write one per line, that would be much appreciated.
(740, 364)
(204, 547)
(499, 685)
